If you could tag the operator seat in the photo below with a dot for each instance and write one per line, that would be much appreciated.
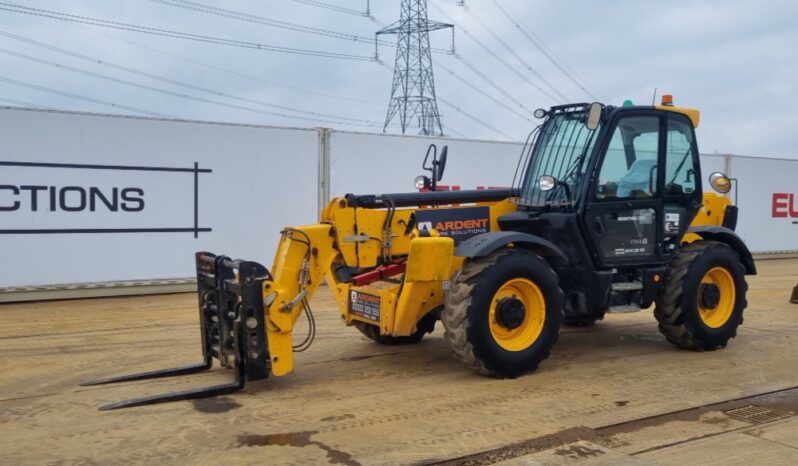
(636, 181)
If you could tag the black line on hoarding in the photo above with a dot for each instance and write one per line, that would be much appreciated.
(57, 231)
(105, 167)
(196, 199)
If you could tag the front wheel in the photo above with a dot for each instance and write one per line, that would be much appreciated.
(503, 313)
(702, 302)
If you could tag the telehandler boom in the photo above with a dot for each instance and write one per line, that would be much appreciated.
(607, 214)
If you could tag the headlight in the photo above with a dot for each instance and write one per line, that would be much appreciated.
(421, 182)
(547, 183)
(540, 113)
(720, 182)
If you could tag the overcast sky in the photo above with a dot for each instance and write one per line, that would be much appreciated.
(736, 61)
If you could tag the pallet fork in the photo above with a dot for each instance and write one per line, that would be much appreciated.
(232, 330)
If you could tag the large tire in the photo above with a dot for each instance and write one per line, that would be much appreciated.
(425, 325)
(484, 344)
(684, 306)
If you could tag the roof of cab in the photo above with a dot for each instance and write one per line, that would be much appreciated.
(693, 114)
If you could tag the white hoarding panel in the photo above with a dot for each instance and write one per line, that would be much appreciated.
(93, 198)
(767, 195)
(90, 198)
(711, 164)
(376, 163)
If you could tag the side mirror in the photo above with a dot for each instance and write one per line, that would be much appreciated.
(547, 183)
(594, 116)
(436, 167)
(720, 182)
(440, 164)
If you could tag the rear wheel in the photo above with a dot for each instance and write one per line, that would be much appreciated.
(425, 325)
(503, 313)
(702, 302)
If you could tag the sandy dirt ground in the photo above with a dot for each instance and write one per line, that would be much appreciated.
(616, 393)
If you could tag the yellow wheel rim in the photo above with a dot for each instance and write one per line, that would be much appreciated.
(525, 334)
(717, 316)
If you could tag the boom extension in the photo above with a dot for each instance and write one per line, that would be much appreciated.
(232, 330)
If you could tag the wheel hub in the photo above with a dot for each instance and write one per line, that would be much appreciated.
(709, 294)
(510, 313)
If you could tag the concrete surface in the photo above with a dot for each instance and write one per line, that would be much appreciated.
(613, 394)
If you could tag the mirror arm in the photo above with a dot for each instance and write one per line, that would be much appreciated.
(431, 148)
(567, 188)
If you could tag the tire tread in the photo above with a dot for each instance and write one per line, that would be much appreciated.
(669, 310)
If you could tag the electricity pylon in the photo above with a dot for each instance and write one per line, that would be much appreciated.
(413, 90)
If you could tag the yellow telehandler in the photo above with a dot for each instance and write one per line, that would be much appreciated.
(607, 213)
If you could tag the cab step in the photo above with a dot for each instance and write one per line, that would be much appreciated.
(627, 286)
(625, 309)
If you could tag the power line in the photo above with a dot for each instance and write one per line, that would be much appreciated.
(228, 71)
(462, 125)
(164, 79)
(337, 8)
(492, 83)
(175, 34)
(78, 20)
(83, 98)
(481, 91)
(171, 93)
(22, 103)
(569, 72)
(456, 133)
(497, 57)
(518, 57)
(472, 117)
(240, 16)
(211, 10)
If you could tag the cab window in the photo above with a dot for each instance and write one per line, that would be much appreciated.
(629, 169)
(680, 159)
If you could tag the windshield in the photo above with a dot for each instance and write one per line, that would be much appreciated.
(560, 150)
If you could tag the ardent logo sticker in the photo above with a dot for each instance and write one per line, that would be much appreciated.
(459, 224)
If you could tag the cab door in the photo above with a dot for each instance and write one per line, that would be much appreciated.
(681, 194)
(624, 211)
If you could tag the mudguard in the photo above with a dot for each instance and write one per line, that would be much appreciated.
(728, 236)
(486, 243)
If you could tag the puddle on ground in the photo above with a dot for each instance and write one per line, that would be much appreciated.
(215, 405)
(297, 439)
